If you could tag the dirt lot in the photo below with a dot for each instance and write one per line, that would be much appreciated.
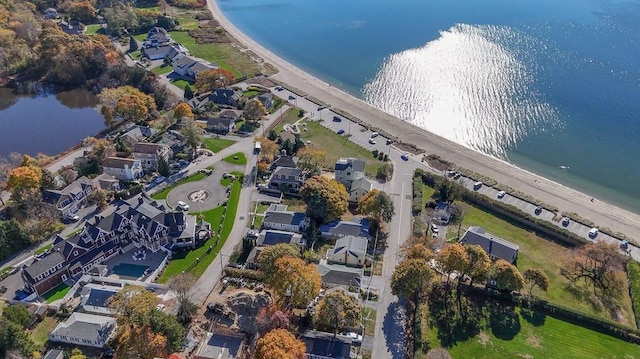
(235, 307)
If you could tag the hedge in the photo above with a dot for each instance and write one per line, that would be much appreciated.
(243, 273)
(633, 275)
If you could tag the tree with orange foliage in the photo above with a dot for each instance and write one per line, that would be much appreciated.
(24, 177)
(279, 344)
(182, 110)
(125, 102)
(295, 281)
(211, 79)
(268, 149)
(141, 342)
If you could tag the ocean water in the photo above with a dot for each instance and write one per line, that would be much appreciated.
(541, 84)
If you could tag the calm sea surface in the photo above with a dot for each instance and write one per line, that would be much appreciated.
(49, 122)
(541, 84)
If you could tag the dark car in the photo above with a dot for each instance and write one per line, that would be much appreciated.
(538, 210)
(405, 157)
(337, 119)
(340, 132)
(291, 97)
(3, 289)
(20, 294)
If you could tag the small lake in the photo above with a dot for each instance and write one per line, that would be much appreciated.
(49, 122)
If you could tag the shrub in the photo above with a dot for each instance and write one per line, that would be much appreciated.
(633, 273)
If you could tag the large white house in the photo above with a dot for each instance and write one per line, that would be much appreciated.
(127, 169)
(71, 198)
(277, 217)
(350, 172)
(349, 250)
(149, 154)
(84, 329)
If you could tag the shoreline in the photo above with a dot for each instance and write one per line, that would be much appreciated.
(564, 198)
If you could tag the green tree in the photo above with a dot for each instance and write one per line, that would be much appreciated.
(479, 263)
(338, 310)
(133, 304)
(507, 276)
(181, 284)
(295, 281)
(412, 278)
(133, 44)
(191, 132)
(163, 167)
(385, 172)
(268, 257)
(169, 327)
(188, 92)
(312, 159)
(47, 181)
(254, 110)
(377, 205)
(120, 17)
(448, 191)
(99, 197)
(18, 314)
(13, 237)
(326, 199)
(536, 277)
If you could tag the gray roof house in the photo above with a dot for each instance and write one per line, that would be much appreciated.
(266, 99)
(277, 218)
(127, 169)
(50, 13)
(220, 125)
(85, 330)
(321, 345)
(284, 161)
(170, 51)
(358, 189)
(230, 114)
(95, 297)
(225, 97)
(189, 66)
(222, 344)
(273, 237)
(348, 170)
(135, 134)
(71, 198)
(72, 27)
(334, 275)
(496, 248)
(349, 250)
(287, 179)
(338, 229)
(157, 36)
(54, 354)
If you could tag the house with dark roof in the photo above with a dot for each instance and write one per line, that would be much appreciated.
(287, 179)
(225, 97)
(50, 13)
(348, 170)
(189, 66)
(266, 99)
(335, 229)
(222, 126)
(84, 330)
(349, 250)
(284, 161)
(150, 154)
(54, 354)
(273, 237)
(157, 36)
(230, 114)
(135, 134)
(140, 221)
(126, 169)
(72, 27)
(359, 188)
(95, 298)
(285, 136)
(496, 248)
(322, 345)
(74, 196)
(278, 218)
(336, 275)
(169, 51)
(221, 344)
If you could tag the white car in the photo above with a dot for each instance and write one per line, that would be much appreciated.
(434, 228)
(593, 232)
(183, 206)
(501, 194)
(372, 141)
(355, 337)
(374, 135)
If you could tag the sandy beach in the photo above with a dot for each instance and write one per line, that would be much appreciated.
(564, 198)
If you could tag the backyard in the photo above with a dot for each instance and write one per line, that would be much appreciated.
(217, 144)
(56, 293)
(40, 334)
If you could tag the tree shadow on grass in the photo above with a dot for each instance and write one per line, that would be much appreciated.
(394, 330)
(504, 320)
(533, 316)
(458, 318)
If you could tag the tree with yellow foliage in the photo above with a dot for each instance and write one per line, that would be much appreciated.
(141, 342)
(326, 199)
(279, 344)
(182, 110)
(312, 159)
(295, 281)
(211, 79)
(126, 103)
(24, 177)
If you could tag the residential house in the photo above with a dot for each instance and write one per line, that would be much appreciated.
(126, 169)
(337, 275)
(322, 345)
(496, 248)
(284, 161)
(74, 196)
(273, 237)
(287, 179)
(150, 154)
(358, 189)
(45, 273)
(285, 136)
(54, 354)
(85, 330)
(135, 134)
(95, 297)
(337, 229)
(278, 218)
(221, 344)
(348, 170)
(349, 250)
(189, 66)
(168, 51)
(221, 125)
(139, 221)
(72, 27)
(230, 114)
(442, 213)
(225, 97)
(157, 36)
(266, 99)
(50, 13)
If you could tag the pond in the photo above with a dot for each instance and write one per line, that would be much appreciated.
(49, 121)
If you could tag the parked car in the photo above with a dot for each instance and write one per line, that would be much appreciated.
(593, 232)
(291, 97)
(501, 194)
(340, 132)
(355, 337)
(372, 141)
(74, 217)
(183, 206)
(434, 228)
(337, 119)
(477, 185)
(538, 210)
(279, 88)
(565, 221)
(3, 289)
(159, 179)
(183, 162)
(405, 157)
(20, 294)
(457, 175)
(374, 135)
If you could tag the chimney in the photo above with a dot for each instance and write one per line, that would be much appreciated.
(97, 218)
(140, 200)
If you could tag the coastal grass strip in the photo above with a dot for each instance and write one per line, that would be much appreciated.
(633, 274)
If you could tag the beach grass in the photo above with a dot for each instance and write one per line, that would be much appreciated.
(163, 194)
(216, 145)
(553, 338)
(338, 146)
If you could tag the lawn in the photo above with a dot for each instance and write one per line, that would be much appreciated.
(217, 144)
(251, 93)
(162, 69)
(294, 204)
(225, 55)
(214, 217)
(163, 194)
(290, 117)
(548, 256)
(180, 83)
(257, 221)
(338, 146)
(262, 208)
(553, 339)
(56, 293)
(227, 181)
(40, 333)
(369, 316)
(93, 29)
(43, 249)
(237, 158)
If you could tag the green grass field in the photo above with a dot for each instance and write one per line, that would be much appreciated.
(56, 293)
(40, 333)
(217, 144)
(163, 194)
(369, 316)
(237, 158)
(554, 339)
(162, 69)
(290, 117)
(43, 249)
(226, 182)
(181, 83)
(338, 146)
(214, 217)
(93, 29)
